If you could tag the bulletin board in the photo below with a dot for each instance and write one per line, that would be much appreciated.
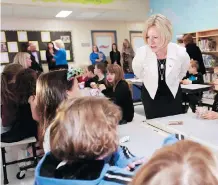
(11, 42)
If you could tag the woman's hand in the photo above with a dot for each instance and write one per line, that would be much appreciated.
(210, 115)
(102, 87)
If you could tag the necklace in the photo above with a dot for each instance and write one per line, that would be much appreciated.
(161, 68)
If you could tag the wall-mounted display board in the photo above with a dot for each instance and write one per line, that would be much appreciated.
(11, 41)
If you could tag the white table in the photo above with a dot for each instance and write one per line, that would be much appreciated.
(191, 88)
(144, 140)
(203, 131)
(195, 88)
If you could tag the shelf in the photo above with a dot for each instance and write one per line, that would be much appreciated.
(206, 36)
(212, 52)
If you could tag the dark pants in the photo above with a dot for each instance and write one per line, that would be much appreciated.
(192, 100)
(161, 106)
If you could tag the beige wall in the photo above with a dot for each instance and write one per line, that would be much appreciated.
(81, 31)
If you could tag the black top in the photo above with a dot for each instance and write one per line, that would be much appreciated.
(195, 54)
(163, 89)
(123, 98)
(164, 103)
(115, 56)
(23, 126)
(103, 81)
(9, 109)
(215, 104)
(49, 58)
(90, 80)
(35, 65)
(196, 78)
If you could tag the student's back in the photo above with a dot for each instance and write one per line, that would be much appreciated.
(8, 103)
(23, 125)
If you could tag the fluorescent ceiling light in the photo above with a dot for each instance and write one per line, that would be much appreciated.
(63, 14)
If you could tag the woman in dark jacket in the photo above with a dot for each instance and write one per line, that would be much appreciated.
(194, 52)
(49, 56)
(115, 55)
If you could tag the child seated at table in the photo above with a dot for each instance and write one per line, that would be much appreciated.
(193, 77)
(91, 76)
(23, 126)
(51, 89)
(84, 145)
(8, 102)
(183, 163)
(118, 90)
(99, 71)
(214, 113)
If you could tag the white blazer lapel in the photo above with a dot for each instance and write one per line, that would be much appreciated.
(171, 58)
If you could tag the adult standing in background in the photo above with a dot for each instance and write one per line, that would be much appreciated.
(115, 55)
(128, 55)
(49, 57)
(36, 62)
(34, 65)
(97, 56)
(60, 56)
(161, 65)
(24, 59)
(194, 52)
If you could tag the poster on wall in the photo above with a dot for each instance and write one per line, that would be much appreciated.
(65, 39)
(104, 40)
(104, 44)
(4, 47)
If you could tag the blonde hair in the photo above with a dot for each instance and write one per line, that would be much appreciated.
(194, 64)
(85, 128)
(162, 24)
(21, 58)
(184, 163)
(59, 43)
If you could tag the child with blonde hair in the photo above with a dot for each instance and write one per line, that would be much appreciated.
(184, 163)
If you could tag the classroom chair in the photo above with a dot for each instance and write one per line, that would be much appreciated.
(21, 173)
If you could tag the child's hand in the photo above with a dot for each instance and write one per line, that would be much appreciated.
(186, 82)
(102, 87)
(93, 85)
(210, 115)
(136, 163)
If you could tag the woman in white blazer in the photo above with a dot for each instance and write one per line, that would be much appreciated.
(161, 65)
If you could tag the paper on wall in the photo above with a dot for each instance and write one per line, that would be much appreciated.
(22, 36)
(43, 55)
(2, 39)
(45, 36)
(68, 54)
(4, 57)
(12, 47)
